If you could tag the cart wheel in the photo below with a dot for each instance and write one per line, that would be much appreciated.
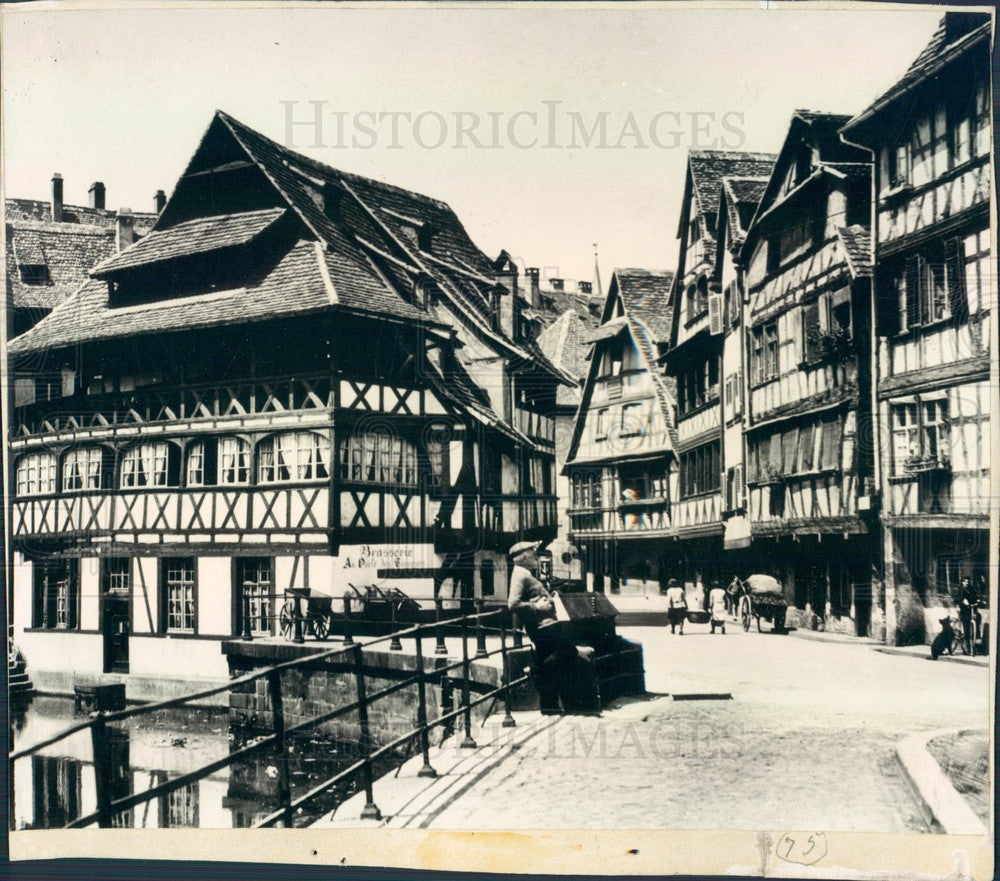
(745, 613)
(320, 625)
(286, 619)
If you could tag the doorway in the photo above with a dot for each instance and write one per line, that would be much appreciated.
(116, 613)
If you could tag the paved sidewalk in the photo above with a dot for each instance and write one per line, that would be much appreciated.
(807, 741)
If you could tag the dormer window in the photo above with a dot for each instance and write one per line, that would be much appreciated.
(425, 236)
(33, 273)
(425, 293)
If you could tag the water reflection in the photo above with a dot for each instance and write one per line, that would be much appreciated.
(58, 785)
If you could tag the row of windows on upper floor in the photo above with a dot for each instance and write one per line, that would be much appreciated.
(289, 457)
(955, 132)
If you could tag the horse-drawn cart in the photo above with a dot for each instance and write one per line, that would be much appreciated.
(761, 597)
(369, 606)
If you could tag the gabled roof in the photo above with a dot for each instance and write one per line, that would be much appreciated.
(739, 198)
(72, 215)
(707, 168)
(644, 296)
(364, 256)
(957, 33)
(821, 130)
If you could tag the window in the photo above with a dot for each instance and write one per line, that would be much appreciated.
(587, 490)
(826, 325)
(437, 458)
(922, 145)
(196, 464)
(936, 436)
(697, 299)
(36, 474)
(734, 488)
(117, 575)
(179, 596)
(601, 424)
(297, 455)
(776, 500)
(56, 595)
(234, 461)
(700, 470)
(83, 469)
(932, 285)
(975, 251)
(633, 419)
(179, 809)
(961, 141)
(905, 435)
(256, 594)
(150, 464)
(764, 351)
(899, 165)
(378, 458)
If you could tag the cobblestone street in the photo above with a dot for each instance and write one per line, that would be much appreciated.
(805, 742)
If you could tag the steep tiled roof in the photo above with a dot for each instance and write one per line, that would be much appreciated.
(856, 241)
(192, 237)
(62, 252)
(38, 210)
(295, 286)
(565, 344)
(956, 33)
(741, 196)
(645, 295)
(366, 255)
(709, 167)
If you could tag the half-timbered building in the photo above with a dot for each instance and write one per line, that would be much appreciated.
(930, 136)
(694, 362)
(738, 200)
(299, 378)
(621, 455)
(809, 474)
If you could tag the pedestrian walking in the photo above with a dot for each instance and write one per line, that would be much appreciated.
(718, 606)
(676, 606)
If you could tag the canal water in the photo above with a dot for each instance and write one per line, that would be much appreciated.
(57, 785)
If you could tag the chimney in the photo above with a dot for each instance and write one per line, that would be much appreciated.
(534, 292)
(57, 198)
(159, 201)
(96, 194)
(124, 229)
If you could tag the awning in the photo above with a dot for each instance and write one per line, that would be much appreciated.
(192, 237)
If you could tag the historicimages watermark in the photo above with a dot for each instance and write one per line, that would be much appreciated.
(548, 126)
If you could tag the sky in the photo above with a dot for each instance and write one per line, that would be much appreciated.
(124, 96)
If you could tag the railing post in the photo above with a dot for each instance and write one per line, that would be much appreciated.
(427, 770)
(394, 644)
(348, 636)
(439, 647)
(515, 625)
(480, 632)
(370, 811)
(102, 769)
(297, 636)
(467, 741)
(278, 714)
(508, 719)
(247, 630)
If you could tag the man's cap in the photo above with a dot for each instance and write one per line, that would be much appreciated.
(523, 547)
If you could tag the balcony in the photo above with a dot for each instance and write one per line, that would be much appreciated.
(631, 517)
(538, 427)
(176, 403)
(917, 465)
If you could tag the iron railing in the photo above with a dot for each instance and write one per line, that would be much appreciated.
(498, 620)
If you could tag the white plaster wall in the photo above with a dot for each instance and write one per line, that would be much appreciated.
(145, 587)
(215, 604)
(177, 658)
(90, 593)
(22, 580)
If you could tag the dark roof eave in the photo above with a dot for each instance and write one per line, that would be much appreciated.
(17, 354)
(858, 124)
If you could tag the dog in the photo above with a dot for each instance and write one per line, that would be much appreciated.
(944, 641)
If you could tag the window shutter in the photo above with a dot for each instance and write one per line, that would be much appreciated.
(737, 394)
(954, 262)
(738, 486)
(914, 278)
(715, 325)
(810, 330)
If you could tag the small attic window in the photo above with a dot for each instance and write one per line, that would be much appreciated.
(425, 236)
(426, 293)
(33, 273)
(332, 201)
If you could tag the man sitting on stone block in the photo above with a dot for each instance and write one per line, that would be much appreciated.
(556, 659)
